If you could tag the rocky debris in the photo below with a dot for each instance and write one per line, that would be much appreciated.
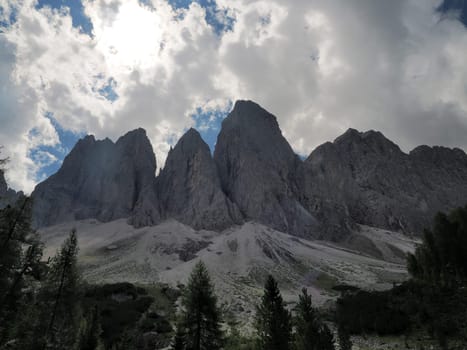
(102, 180)
(257, 168)
(189, 187)
(188, 250)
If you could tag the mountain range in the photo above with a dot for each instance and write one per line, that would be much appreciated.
(346, 214)
(361, 178)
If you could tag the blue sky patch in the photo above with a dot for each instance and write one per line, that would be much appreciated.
(108, 90)
(455, 5)
(11, 18)
(45, 154)
(216, 17)
(79, 18)
(209, 124)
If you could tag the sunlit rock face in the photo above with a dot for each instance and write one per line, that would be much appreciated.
(257, 168)
(369, 179)
(102, 180)
(189, 187)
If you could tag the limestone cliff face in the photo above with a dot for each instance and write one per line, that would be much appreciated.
(360, 178)
(189, 187)
(257, 168)
(102, 180)
(369, 180)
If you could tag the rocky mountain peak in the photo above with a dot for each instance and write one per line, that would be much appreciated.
(438, 154)
(251, 115)
(135, 137)
(369, 141)
(257, 168)
(189, 186)
(350, 135)
(192, 142)
(379, 185)
(102, 180)
(251, 129)
(254, 175)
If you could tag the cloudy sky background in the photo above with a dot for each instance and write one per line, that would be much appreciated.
(105, 67)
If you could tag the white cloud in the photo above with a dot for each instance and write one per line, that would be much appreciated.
(321, 66)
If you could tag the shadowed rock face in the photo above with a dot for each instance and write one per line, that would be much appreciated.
(369, 179)
(189, 187)
(257, 168)
(360, 178)
(102, 180)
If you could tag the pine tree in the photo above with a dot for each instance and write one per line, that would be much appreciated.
(344, 337)
(325, 339)
(273, 320)
(311, 333)
(14, 228)
(201, 316)
(441, 259)
(91, 330)
(20, 262)
(307, 327)
(60, 297)
(178, 342)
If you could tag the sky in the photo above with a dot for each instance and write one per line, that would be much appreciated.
(74, 67)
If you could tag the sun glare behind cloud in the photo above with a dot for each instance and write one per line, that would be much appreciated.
(131, 38)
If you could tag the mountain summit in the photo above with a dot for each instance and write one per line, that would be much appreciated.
(258, 168)
(367, 177)
(189, 187)
(102, 180)
(254, 175)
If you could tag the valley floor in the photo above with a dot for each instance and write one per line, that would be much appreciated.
(238, 259)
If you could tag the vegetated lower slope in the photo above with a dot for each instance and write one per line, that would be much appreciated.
(431, 305)
(239, 258)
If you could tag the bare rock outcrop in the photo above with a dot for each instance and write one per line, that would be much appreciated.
(360, 178)
(102, 180)
(369, 180)
(189, 187)
(257, 168)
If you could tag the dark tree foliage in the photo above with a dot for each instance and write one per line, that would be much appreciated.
(42, 305)
(344, 337)
(201, 316)
(91, 331)
(310, 332)
(3, 161)
(179, 340)
(326, 339)
(236, 341)
(20, 265)
(60, 298)
(442, 257)
(371, 312)
(121, 308)
(273, 321)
